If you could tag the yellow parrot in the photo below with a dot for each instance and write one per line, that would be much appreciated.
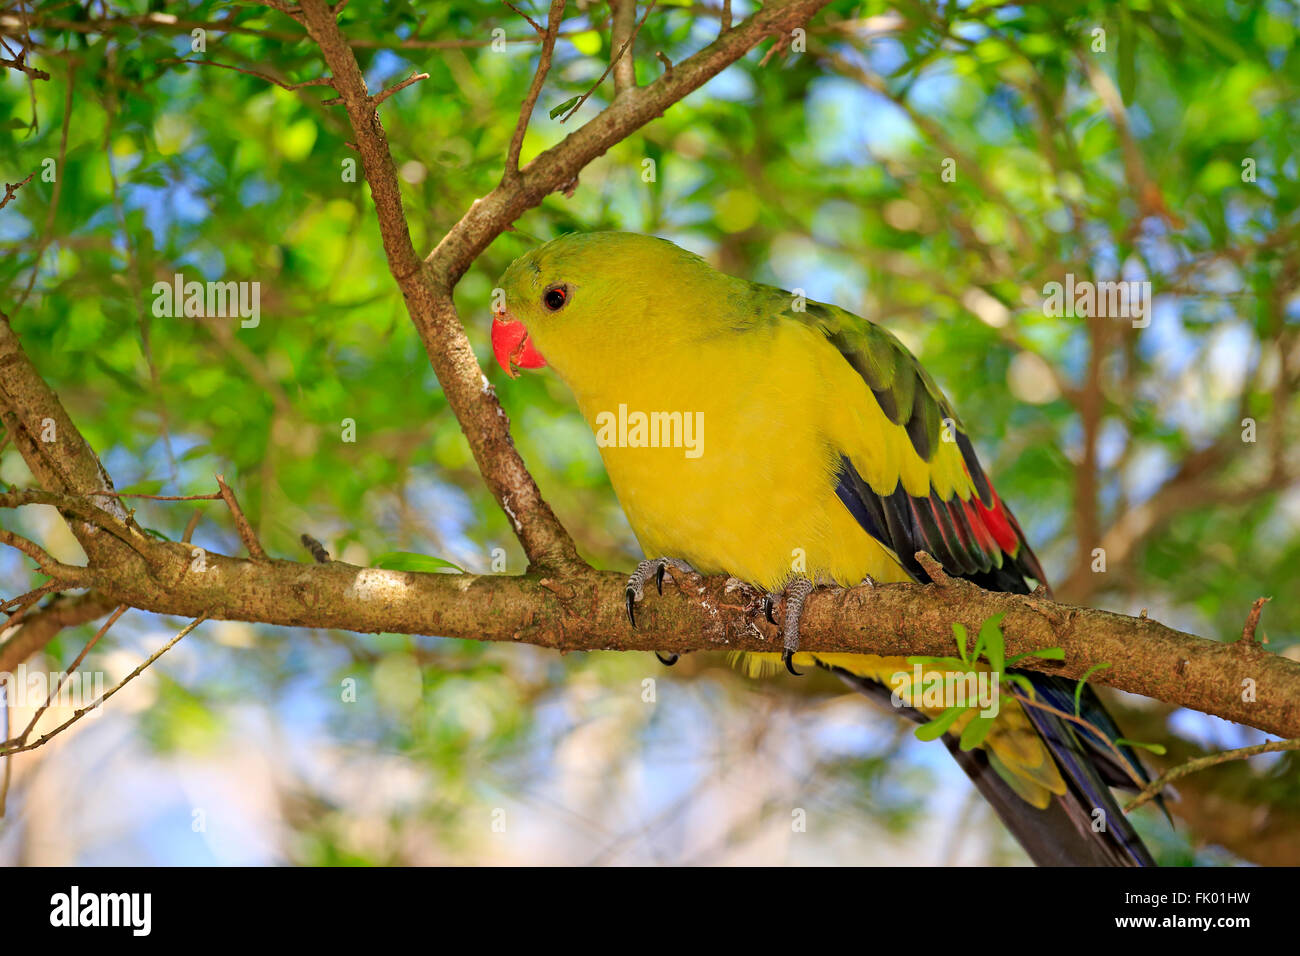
(790, 443)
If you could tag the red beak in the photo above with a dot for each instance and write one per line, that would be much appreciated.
(511, 345)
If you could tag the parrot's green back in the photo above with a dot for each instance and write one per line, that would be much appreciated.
(818, 447)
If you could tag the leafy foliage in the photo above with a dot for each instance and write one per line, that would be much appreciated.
(820, 169)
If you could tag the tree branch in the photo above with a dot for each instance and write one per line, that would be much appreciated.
(618, 58)
(11, 189)
(39, 627)
(583, 611)
(44, 435)
(558, 165)
(158, 21)
(623, 27)
(1149, 792)
(535, 89)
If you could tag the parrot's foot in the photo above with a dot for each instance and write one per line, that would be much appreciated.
(636, 589)
(795, 594)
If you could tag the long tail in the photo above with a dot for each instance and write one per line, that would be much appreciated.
(1082, 827)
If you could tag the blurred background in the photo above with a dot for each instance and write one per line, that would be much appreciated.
(931, 166)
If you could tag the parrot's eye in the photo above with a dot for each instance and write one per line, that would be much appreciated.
(555, 297)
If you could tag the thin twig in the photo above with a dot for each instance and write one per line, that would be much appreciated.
(534, 90)
(214, 496)
(153, 23)
(191, 525)
(1252, 621)
(11, 190)
(29, 548)
(54, 692)
(318, 81)
(533, 23)
(613, 60)
(1091, 727)
(245, 530)
(79, 507)
(1202, 763)
(21, 67)
(103, 698)
(46, 233)
(33, 595)
(385, 94)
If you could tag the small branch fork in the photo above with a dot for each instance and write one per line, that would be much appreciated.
(19, 63)
(11, 190)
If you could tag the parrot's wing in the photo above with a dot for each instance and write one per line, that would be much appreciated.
(966, 527)
(974, 535)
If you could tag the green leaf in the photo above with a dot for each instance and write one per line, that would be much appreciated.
(124, 381)
(959, 631)
(410, 561)
(949, 663)
(974, 733)
(565, 106)
(934, 729)
(995, 647)
(1047, 653)
(1021, 681)
(1078, 688)
(1154, 748)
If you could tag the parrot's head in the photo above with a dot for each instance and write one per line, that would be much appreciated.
(593, 299)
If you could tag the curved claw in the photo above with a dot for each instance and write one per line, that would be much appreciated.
(659, 577)
(667, 661)
(631, 607)
(768, 604)
(787, 658)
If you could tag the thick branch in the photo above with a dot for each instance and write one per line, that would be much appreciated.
(44, 435)
(584, 611)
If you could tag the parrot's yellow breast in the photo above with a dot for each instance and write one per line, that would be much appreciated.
(745, 484)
